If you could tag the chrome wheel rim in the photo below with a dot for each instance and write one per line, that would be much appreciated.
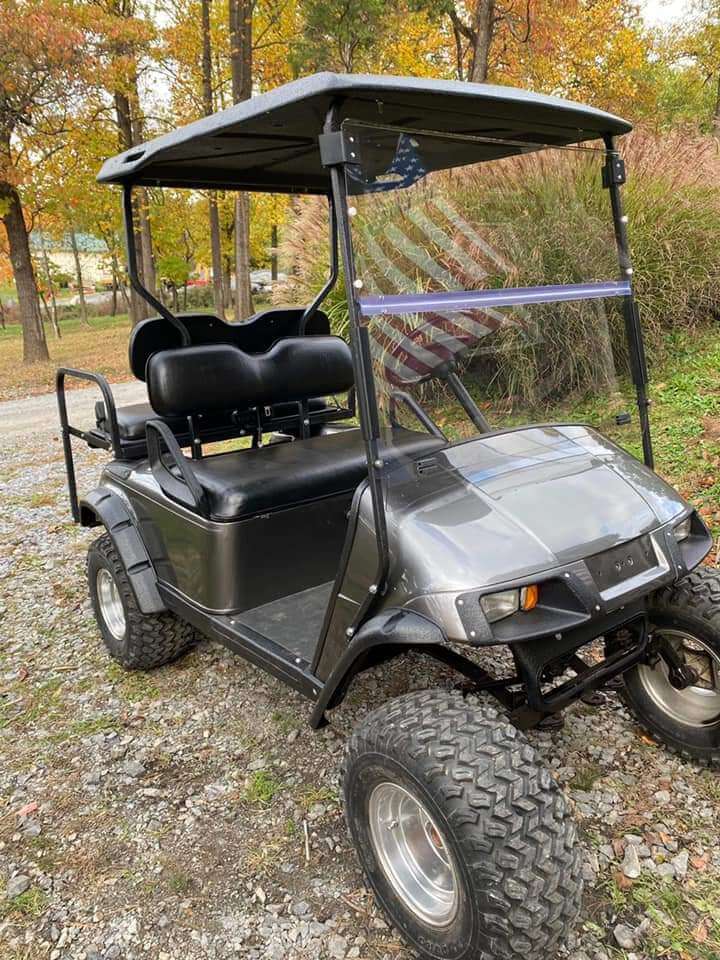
(697, 705)
(413, 854)
(111, 608)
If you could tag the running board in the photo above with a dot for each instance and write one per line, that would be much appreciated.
(242, 640)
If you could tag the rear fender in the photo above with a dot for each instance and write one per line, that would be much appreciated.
(102, 507)
(390, 633)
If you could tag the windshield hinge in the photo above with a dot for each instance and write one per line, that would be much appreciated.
(337, 148)
(613, 174)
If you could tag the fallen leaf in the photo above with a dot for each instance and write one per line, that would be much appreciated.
(28, 808)
(700, 862)
(619, 848)
(648, 741)
(701, 931)
(623, 882)
(23, 673)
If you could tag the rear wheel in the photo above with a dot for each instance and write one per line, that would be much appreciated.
(462, 833)
(136, 640)
(676, 696)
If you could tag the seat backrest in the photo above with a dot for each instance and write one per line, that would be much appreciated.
(254, 335)
(205, 379)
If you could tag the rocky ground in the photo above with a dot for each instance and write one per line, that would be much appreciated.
(191, 813)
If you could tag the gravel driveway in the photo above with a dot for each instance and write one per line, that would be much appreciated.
(191, 813)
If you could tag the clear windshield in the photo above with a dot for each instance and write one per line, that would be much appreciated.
(491, 285)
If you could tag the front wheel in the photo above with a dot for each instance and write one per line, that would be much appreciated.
(462, 833)
(676, 696)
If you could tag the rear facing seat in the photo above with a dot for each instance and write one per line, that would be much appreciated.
(255, 335)
(247, 482)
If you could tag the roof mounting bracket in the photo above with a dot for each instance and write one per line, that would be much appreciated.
(337, 148)
(613, 174)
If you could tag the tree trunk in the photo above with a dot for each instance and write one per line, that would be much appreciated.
(79, 277)
(113, 302)
(241, 12)
(34, 342)
(119, 284)
(148, 263)
(274, 252)
(213, 212)
(53, 313)
(243, 294)
(216, 250)
(139, 308)
(483, 23)
(2, 316)
(716, 114)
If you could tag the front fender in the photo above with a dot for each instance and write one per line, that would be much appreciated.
(103, 507)
(395, 629)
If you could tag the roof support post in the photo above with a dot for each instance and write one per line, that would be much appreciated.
(133, 269)
(364, 383)
(613, 178)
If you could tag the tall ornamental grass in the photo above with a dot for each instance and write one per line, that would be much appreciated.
(549, 218)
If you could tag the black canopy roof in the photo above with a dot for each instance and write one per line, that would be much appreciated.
(270, 142)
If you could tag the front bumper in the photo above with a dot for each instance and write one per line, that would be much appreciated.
(586, 598)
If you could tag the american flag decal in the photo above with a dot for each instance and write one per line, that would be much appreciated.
(435, 250)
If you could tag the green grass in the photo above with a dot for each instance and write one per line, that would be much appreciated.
(132, 685)
(100, 346)
(31, 904)
(262, 787)
(585, 777)
(677, 913)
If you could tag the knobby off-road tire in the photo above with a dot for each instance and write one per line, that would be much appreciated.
(687, 723)
(495, 814)
(136, 640)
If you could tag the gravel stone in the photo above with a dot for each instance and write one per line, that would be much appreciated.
(17, 885)
(624, 936)
(680, 863)
(631, 862)
(133, 768)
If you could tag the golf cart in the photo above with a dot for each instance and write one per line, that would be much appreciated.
(450, 522)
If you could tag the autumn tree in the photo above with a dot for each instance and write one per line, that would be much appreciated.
(124, 36)
(475, 26)
(208, 108)
(41, 56)
(338, 34)
(241, 60)
(699, 42)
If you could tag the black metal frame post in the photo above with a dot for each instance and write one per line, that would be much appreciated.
(613, 178)
(362, 366)
(133, 269)
(332, 277)
(67, 431)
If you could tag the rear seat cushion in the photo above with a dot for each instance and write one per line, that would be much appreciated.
(247, 482)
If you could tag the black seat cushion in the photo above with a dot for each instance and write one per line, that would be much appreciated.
(215, 377)
(247, 482)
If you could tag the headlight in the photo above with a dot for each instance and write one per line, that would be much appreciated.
(682, 530)
(497, 606)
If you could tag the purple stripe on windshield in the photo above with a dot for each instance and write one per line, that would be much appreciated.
(505, 297)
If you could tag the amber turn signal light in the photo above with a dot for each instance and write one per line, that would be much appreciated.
(529, 597)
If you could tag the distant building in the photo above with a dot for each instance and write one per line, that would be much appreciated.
(94, 259)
